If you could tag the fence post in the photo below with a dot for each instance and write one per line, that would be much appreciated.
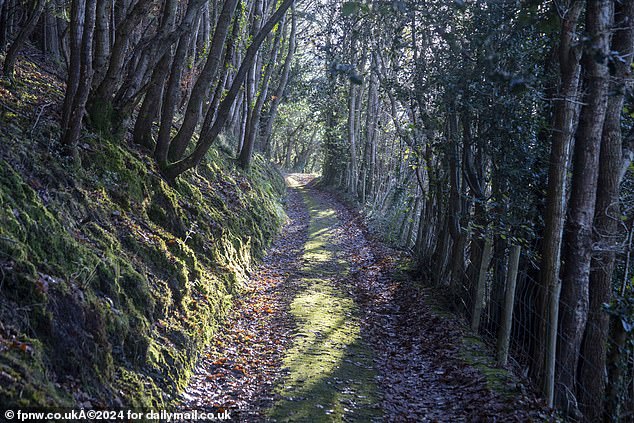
(504, 334)
(551, 343)
(478, 303)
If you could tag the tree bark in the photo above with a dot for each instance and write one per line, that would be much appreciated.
(592, 372)
(246, 152)
(170, 100)
(150, 106)
(578, 237)
(74, 68)
(206, 77)
(563, 129)
(23, 35)
(352, 139)
(70, 136)
(102, 40)
(208, 137)
(281, 87)
(124, 29)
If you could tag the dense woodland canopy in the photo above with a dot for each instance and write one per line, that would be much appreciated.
(491, 139)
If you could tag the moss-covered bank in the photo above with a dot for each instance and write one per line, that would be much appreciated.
(112, 281)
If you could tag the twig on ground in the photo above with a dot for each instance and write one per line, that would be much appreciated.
(39, 115)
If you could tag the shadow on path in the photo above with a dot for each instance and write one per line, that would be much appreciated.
(328, 368)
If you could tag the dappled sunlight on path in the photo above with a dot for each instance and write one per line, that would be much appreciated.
(331, 331)
(329, 367)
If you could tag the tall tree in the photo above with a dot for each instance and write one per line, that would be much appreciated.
(278, 95)
(80, 78)
(607, 217)
(564, 121)
(579, 229)
(23, 35)
(206, 138)
(255, 113)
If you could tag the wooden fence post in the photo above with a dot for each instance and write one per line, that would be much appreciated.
(478, 303)
(504, 333)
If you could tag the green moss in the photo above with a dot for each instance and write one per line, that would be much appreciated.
(140, 390)
(23, 377)
(476, 353)
(132, 281)
(31, 228)
(101, 114)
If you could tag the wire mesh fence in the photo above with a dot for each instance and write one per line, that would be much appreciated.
(498, 291)
(504, 310)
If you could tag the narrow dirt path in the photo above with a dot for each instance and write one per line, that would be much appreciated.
(241, 367)
(328, 333)
(329, 373)
(291, 349)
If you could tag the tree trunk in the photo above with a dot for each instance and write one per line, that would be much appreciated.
(77, 13)
(504, 331)
(206, 77)
(102, 40)
(246, 153)
(372, 113)
(563, 129)
(23, 35)
(52, 34)
(456, 210)
(150, 106)
(592, 372)
(124, 29)
(281, 87)
(223, 80)
(208, 137)
(352, 141)
(171, 98)
(71, 136)
(578, 237)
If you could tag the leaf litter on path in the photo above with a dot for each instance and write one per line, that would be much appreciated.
(240, 368)
(415, 356)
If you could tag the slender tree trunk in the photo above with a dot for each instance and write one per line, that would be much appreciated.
(563, 129)
(208, 137)
(499, 187)
(4, 20)
(370, 134)
(149, 108)
(246, 153)
(142, 133)
(102, 40)
(455, 209)
(281, 87)
(352, 139)
(52, 34)
(171, 97)
(206, 77)
(149, 54)
(223, 81)
(77, 13)
(124, 30)
(23, 35)
(71, 136)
